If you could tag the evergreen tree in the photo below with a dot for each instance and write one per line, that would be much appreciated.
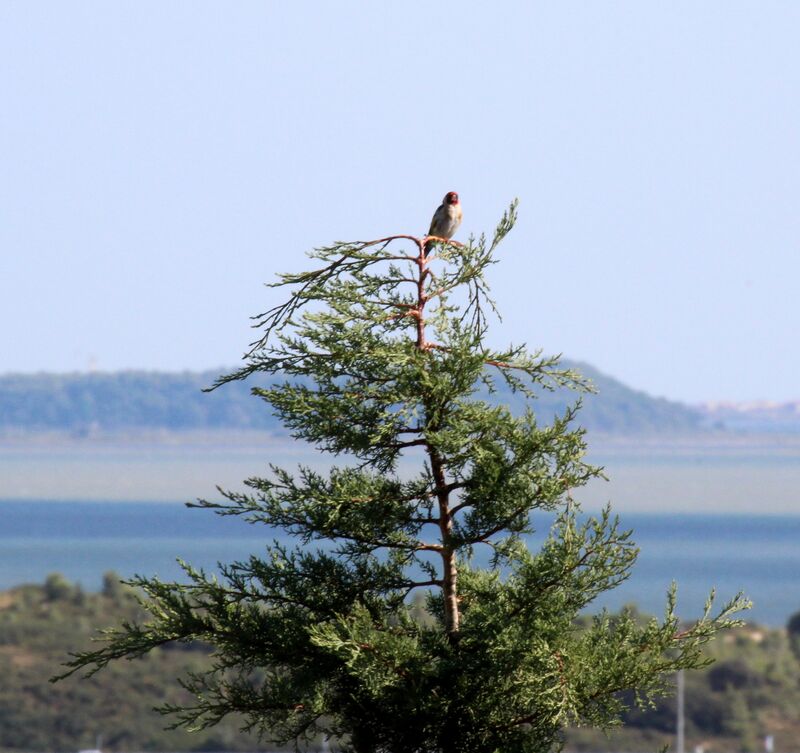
(383, 361)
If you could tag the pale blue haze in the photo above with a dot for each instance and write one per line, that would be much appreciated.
(160, 161)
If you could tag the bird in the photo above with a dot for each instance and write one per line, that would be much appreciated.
(446, 219)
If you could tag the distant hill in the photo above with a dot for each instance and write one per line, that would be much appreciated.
(617, 408)
(148, 400)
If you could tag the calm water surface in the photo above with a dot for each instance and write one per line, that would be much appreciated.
(759, 554)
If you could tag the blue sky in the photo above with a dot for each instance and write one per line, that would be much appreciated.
(161, 161)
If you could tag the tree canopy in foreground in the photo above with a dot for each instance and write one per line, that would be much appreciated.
(384, 354)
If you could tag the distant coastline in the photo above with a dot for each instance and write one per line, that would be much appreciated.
(114, 401)
(136, 435)
(85, 403)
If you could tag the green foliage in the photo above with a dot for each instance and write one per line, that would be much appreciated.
(38, 625)
(35, 715)
(793, 629)
(751, 690)
(380, 353)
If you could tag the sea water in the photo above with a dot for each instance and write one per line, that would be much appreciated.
(757, 554)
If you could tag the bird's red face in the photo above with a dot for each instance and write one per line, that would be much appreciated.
(451, 198)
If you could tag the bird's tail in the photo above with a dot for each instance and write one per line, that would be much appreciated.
(429, 246)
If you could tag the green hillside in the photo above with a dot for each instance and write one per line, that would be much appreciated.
(750, 691)
(146, 400)
(39, 626)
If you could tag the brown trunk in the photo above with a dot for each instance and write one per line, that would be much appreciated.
(449, 569)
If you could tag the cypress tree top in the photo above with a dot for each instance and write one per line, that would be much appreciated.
(383, 356)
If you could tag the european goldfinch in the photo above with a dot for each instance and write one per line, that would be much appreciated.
(446, 220)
